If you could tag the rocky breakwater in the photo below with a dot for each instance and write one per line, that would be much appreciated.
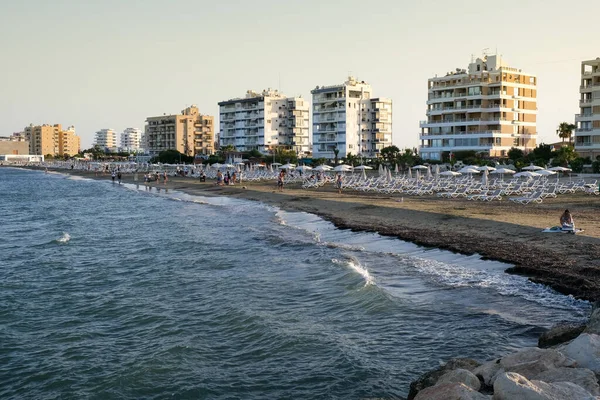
(565, 365)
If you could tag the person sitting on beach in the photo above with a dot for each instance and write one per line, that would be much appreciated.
(566, 220)
(219, 178)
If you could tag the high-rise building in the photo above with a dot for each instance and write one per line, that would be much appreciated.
(51, 139)
(265, 121)
(68, 142)
(131, 140)
(488, 108)
(587, 133)
(347, 118)
(106, 139)
(190, 133)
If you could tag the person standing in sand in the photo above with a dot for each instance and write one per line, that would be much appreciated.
(338, 182)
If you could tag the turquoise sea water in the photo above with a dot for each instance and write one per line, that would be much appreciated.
(115, 291)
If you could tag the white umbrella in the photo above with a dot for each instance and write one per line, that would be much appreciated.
(363, 167)
(419, 167)
(436, 171)
(428, 172)
(380, 169)
(287, 166)
(276, 164)
(450, 173)
(468, 170)
(486, 168)
(484, 178)
(389, 175)
(304, 168)
(526, 174)
(342, 168)
(216, 165)
(409, 174)
(503, 171)
(532, 168)
(545, 172)
(561, 169)
(322, 168)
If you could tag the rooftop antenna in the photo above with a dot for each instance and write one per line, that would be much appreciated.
(472, 58)
(485, 51)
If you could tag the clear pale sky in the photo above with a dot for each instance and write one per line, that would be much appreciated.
(110, 64)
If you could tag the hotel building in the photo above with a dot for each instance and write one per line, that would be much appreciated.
(131, 140)
(106, 139)
(347, 118)
(51, 139)
(587, 133)
(190, 133)
(488, 108)
(265, 121)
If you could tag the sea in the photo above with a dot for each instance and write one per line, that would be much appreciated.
(112, 291)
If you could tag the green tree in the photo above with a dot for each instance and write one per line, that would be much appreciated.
(390, 154)
(541, 155)
(564, 156)
(172, 157)
(515, 155)
(565, 131)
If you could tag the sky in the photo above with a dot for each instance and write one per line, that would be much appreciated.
(112, 63)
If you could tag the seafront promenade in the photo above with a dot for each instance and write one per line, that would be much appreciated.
(502, 231)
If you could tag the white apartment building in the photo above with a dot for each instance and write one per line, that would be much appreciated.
(265, 121)
(131, 140)
(347, 118)
(106, 139)
(587, 133)
(488, 108)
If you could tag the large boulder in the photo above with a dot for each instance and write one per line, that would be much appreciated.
(585, 350)
(450, 391)
(559, 334)
(531, 361)
(580, 376)
(463, 376)
(487, 371)
(430, 378)
(593, 325)
(512, 386)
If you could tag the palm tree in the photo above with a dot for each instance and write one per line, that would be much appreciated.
(336, 151)
(565, 131)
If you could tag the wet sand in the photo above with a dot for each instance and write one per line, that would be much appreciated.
(499, 230)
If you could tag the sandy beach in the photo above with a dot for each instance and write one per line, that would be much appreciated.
(499, 230)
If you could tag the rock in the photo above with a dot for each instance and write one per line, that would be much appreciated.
(512, 386)
(430, 378)
(579, 376)
(593, 325)
(463, 376)
(450, 391)
(531, 361)
(487, 371)
(585, 350)
(559, 334)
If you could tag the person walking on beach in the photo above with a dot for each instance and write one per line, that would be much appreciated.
(119, 176)
(280, 180)
(338, 182)
(113, 176)
(165, 179)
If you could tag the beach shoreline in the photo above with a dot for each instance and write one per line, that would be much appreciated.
(502, 231)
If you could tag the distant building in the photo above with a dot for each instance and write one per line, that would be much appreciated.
(587, 133)
(106, 139)
(265, 121)
(131, 140)
(488, 108)
(190, 133)
(13, 145)
(51, 139)
(346, 117)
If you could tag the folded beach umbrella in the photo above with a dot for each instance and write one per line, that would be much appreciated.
(428, 172)
(409, 174)
(364, 174)
(436, 171)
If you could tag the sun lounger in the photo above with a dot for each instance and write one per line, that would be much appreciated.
(534, 197)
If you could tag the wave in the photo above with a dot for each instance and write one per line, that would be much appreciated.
(356, 266)
(64, 238)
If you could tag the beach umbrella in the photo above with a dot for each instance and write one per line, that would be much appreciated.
(409, 174)
(364, 174)
(304, 168)
(450, 173)
(216, 165)
(397, 170)
(363, 167)
(468, 170)
(484, 178)
(287, 166)
(436, 171)
(503, 171)
(343, 168)
(389, 175)
(532, 168)
(322, 168)
(380, 169)
(419, 167)
(560, 169)
(486, 168)
(428, 172)
(545, 172)
(526, 174)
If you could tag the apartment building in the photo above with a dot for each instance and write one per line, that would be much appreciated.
(106, 139)
(489, 108)
(347, 118)
(190, 133)
(131, 140)
(587, 133)
(14, 145)
(68, 142)
(52, 139)
(265, 121)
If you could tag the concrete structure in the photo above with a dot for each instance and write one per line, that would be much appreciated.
(265, 121)
(8, 145)
(190, 133)
(489, 108)
(52, 139)
(131, 140)
(587, 133)
(347, 118)
(20, 158)
(106, 139)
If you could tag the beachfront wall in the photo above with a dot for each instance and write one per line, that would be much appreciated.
(488, 108)
(14, 147)
(587, 132)
(190, 133)
(346, 117)
(265, 121)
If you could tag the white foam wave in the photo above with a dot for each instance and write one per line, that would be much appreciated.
(356, 266)
(343, 246)
(64, 238)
